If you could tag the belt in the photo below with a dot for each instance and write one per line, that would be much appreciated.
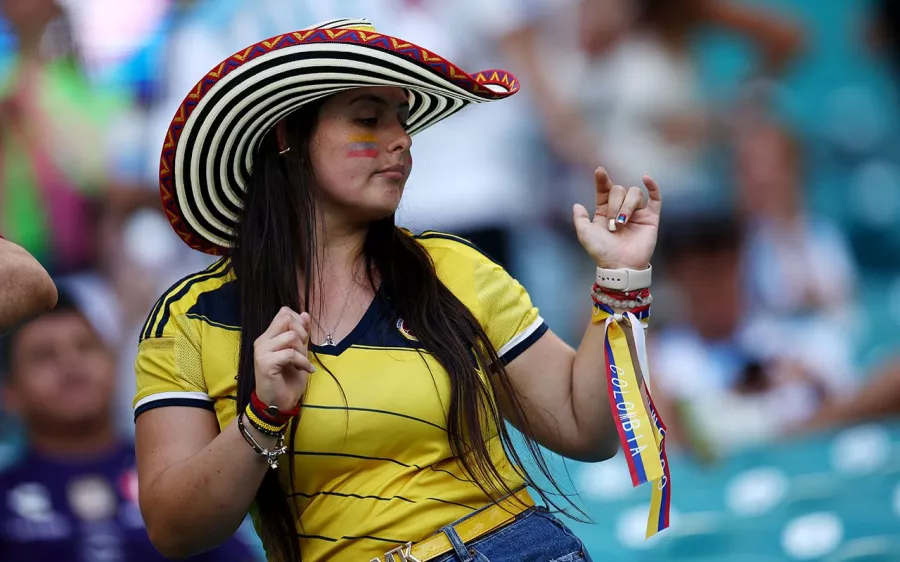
(475, 526)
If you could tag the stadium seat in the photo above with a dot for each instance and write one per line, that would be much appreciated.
(871, 549)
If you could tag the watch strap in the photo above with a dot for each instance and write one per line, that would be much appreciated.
(624, 279)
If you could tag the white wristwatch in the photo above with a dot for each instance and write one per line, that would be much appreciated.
(624, 279)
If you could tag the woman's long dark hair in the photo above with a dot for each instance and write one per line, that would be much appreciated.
(277, 232)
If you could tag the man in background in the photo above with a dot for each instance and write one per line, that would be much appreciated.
(73, 495)
(25, 287)
(720, 384)
(880, 396)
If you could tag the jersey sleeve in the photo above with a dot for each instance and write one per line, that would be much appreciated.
(168, 366)
(511, 321)
(498, 301)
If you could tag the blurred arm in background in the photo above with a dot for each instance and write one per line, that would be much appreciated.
(25, 287)
(123, 199)
(640, 90)
(779, 39)
(880, 398)
(563, 123)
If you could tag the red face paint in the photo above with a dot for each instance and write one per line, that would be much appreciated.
(363, 146)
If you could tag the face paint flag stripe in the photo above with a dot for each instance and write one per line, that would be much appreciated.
(364, 146)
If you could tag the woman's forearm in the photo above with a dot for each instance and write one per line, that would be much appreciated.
(590, 397)
(197, 504)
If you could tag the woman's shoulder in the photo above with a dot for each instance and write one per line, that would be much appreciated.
(450, 249)
(184, 295)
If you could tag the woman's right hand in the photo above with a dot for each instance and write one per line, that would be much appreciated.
(280, 360)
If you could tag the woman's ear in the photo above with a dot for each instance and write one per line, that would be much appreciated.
(281, 136)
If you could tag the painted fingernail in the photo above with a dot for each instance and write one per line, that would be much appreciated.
(623, 218)
(612, 225)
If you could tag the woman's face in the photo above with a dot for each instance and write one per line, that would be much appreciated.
(360, 153)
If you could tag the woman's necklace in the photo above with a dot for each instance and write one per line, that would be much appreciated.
(329, 336)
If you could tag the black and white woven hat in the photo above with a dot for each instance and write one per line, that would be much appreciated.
(207, 157)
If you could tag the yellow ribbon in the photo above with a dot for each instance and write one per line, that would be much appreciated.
(641, 430)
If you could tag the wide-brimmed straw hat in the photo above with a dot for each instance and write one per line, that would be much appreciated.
(207, 157)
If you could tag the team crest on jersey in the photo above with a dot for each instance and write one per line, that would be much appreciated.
(404, 329)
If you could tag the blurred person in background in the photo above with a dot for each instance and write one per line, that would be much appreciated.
(631, 51)
(72, 496)
(798, 269)
(798, 263)
(26, 288)
(51, 141)
(59, 196)
(879, 397)
(718, 385)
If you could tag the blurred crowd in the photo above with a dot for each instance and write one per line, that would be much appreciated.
(777, 299)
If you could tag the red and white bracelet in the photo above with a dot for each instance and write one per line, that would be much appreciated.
(631, 300)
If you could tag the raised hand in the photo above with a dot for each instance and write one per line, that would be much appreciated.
(625, 225)
(281, 362)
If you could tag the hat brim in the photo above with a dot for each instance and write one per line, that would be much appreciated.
(207, 157)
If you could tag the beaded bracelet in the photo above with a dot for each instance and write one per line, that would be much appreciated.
(268, 419)
(263, 426)
(630, 300)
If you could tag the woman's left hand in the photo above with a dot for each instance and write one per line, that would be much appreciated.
(636, 222)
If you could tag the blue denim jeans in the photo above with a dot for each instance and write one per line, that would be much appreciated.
(536, 535)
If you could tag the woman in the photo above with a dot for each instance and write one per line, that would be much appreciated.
(290, 158)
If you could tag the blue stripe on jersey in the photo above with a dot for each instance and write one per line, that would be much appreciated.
(219, 307)
(185, 402)
(218, 272)
(165, 300)
(520, 348)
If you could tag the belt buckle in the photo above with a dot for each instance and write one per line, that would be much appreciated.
(402, 553)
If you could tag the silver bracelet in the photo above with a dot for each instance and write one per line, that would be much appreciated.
(270, 456)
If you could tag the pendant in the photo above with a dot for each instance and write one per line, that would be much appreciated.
(328, 340)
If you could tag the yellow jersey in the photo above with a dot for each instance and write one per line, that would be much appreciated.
(373, 466)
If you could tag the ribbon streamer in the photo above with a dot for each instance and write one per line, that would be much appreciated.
(641, 429)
